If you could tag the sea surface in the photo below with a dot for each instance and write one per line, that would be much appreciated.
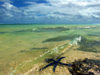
(21, 44)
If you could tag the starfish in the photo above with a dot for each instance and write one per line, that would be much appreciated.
(54, 63)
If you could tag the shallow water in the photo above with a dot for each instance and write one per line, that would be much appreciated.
(20, 43)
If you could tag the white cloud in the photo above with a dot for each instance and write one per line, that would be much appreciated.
(77, 2)
(7, 5)
(61, 10)
(5, 1)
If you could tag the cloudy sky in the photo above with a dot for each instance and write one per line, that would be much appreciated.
(50, 11)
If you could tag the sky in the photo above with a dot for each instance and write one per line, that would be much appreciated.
(49, 11)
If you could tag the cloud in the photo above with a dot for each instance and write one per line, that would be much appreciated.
(52, 11)
(7, 6)
(5, 1)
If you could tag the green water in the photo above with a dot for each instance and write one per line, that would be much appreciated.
(19, 43)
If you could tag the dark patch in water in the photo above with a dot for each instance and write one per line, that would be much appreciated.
(97, 35)
(89, 45)
(18, 31)
(3, 32)
(60, 38)
(22, 51)
(85, 67)
(27, 30)
(57, 29)
(32, 49)
(42, 48)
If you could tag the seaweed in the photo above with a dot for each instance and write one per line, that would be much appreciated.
(42, 48)
(60, 38)
(33, 49)
(56, 29)
(89, 45)
(85, 67)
